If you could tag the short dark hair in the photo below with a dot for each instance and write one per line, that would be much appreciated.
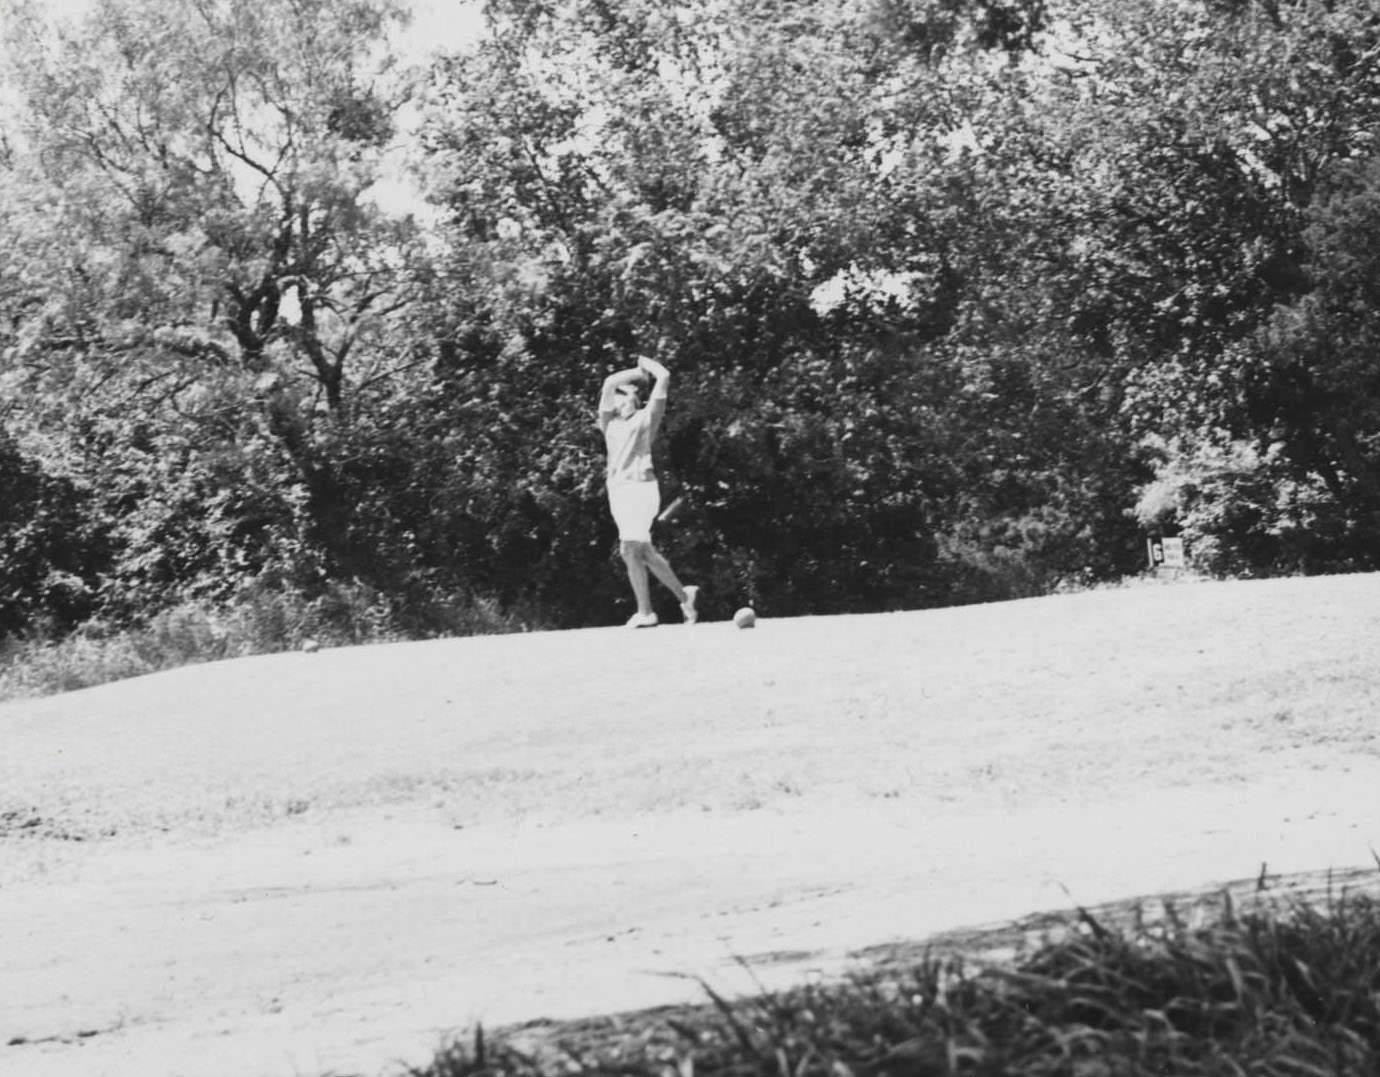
(637, 389)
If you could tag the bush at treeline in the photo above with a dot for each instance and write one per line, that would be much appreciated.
(962, 298)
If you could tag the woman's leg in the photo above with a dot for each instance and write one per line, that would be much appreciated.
(662, 568)
(686, 596)
(634, 557)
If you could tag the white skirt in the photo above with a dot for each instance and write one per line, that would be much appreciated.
(634, 506)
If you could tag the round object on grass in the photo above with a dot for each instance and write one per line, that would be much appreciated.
(745, 618)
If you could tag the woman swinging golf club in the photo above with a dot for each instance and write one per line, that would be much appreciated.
(634, 496)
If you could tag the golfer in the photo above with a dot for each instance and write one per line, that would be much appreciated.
(634, 496)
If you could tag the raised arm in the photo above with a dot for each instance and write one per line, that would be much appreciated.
(611, 384)
(656, 403)
(657, 371)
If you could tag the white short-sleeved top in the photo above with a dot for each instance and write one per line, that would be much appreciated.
(629, 442)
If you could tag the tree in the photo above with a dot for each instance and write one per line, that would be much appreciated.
(1207, 146)
(947, 286)
(696, 182)
(1312, 370)
(203, 284)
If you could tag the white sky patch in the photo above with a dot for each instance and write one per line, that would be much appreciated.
(397, 194)
(440, 26)
(962, 139)
(437, 25)
(872, 285)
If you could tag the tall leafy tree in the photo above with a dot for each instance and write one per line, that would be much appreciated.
(762, 193)
(942, 283)
(1206, 144)
(202, 283)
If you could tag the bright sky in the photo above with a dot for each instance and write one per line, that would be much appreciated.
(441, 25)
(437, 24)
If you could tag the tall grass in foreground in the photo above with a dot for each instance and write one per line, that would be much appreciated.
(262, 622)
(1269, 993)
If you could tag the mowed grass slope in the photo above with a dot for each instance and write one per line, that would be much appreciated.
(1068, 696)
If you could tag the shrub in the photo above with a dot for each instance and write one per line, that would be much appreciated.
(51, 551)
(261, 621)
(1244, 512)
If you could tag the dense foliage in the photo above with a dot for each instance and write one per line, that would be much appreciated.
(961, 297)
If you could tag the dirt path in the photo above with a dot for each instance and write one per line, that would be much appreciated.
(327, 863)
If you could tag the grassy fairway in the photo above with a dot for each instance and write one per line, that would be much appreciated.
(300, 862)
(991, 706)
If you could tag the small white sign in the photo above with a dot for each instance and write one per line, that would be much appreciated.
(1166, 552)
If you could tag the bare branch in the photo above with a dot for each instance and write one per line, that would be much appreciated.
(113, 123)
(240, 155)
(138, 391)
(391, 373)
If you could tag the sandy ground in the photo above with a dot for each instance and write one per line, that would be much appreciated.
(329, 863)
